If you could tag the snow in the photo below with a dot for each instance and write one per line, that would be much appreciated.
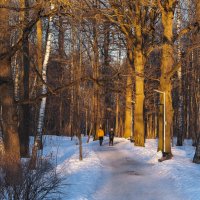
(124, 171)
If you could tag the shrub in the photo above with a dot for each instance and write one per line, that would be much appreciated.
(30, 184)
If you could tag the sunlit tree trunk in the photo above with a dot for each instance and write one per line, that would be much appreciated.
(44, 87)
(39, 46)
(165, 86)
(9, 108)
(128, 108)
(128, 20)
(129, 90)
(139, 86)
(136, 62)
(167, 62)
(42, 69)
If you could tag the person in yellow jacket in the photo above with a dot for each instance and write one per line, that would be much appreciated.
(100, 134)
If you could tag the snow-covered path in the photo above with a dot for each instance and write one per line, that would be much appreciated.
(123, 177)
(123, 171)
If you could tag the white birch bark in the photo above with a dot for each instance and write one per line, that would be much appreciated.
(15, 64)
(44, 87)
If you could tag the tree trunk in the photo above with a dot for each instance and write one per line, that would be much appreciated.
(25, 122)
(62, 55)
(139, 62)
(165, 86)
(10, 128)
(44, 87)
(79, 74)
(43, 67)
(160, 127)
(117, 116)
(139, 97)
(196, 158)
(151, 133)
(180, 113)
(9, 108)
(96, 100)
(128, 109)
(2, 148)
(167, 62)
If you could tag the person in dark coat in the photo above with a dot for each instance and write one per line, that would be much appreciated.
(111, 137)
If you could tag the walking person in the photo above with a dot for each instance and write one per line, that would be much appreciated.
(111, 137)
(100, 134)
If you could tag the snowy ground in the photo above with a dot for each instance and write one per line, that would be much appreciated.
(123, 171)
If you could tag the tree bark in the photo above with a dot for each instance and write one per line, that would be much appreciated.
(167, 62)
(117, 115)
(38, 141)
(128, 108)
(196, 158)
(139, 61)
(25, 122)
(180, 113)
(96, 100)
(61, 39)
(139, 91)
(9, 108)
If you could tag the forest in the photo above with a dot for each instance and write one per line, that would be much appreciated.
(68, 67)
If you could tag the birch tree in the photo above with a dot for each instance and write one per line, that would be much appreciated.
(44, 88)
(41, 117)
